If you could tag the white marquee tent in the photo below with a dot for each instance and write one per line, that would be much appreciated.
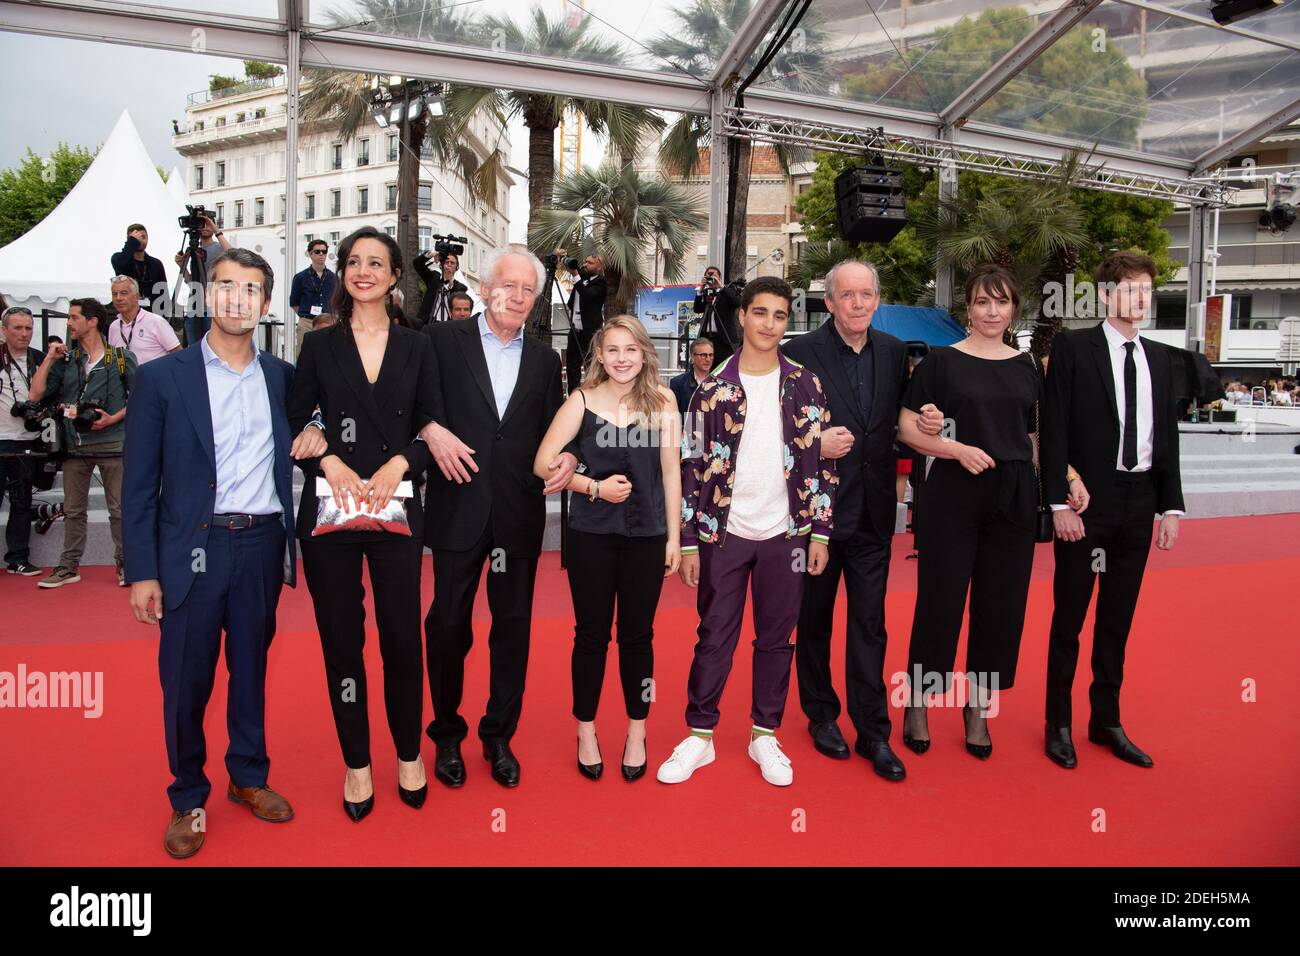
(66, 255)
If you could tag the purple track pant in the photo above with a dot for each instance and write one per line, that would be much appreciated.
(774, 572)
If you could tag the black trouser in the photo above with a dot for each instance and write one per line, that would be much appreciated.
(450, 634)
(333, 572)
(602, 568)
(1115, 546)
(863, 559)
(967, 543)
(16, 485)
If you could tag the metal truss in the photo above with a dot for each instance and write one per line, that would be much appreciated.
(935, 152)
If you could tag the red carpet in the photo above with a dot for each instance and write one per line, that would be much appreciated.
(1219, 609)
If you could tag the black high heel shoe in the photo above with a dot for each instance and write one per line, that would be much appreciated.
(976, 750)
(590, 771)
(635, 773)
(412, 798)
(914, 744)
(358, 811)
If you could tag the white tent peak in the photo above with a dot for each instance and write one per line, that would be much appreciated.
(66, 255)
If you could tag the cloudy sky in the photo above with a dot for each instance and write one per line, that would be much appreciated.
(85, 86)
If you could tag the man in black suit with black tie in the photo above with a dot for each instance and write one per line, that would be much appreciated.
(497, 393)
(1110, 414)
(587, 303)
(863, 372)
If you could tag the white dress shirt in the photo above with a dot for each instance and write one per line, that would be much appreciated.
(1115, 342)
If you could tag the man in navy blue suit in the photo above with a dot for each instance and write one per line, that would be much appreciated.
(207, 503)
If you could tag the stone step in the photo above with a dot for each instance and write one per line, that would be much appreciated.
(1229, 500)
(1249, 478)
(1238, 461)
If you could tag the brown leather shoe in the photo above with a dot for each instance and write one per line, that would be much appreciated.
(265, 803)
(184, 836)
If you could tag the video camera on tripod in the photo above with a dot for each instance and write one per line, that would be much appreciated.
(192, 221)
(553, 261)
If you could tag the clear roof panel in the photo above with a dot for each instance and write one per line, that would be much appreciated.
(262, 9)
(1123, 77)
(643, 35)
(912, 54)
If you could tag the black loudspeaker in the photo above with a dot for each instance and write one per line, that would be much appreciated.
(869, 203)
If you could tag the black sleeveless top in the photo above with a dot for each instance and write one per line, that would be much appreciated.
(605, 449)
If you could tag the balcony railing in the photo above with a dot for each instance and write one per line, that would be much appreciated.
(245, 86)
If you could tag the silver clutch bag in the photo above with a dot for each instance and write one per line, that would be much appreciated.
(330, 517)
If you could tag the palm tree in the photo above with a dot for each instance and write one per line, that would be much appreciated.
(616, 212)
(1032, 227)
(694, 45)
(541, 35)
(343, 100)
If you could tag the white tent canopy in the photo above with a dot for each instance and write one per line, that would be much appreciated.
(177, 189)
(66, 255)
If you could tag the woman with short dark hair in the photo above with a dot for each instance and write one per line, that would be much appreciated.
(978, 532)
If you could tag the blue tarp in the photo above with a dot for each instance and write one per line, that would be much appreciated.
(912, 323)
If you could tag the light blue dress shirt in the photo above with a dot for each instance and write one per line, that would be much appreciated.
(502, 362)
(241, 432)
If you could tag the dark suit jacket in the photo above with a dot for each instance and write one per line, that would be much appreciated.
(591, 293)
(434, 286)
(364, 427)
(504, 490)
(867, 473)
(683, 387)
(1081, 420)
(169, 478)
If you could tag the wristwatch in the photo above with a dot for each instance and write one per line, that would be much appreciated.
(594, 491)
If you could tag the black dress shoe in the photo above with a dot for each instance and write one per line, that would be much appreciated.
(591, 771)
(635, 773)
(883, 760)
(1060, 747)
(505, 768)
(828, 739)
(983, 751)
(917, 745)
(413, 798)
(448, 765)
(1119, 744)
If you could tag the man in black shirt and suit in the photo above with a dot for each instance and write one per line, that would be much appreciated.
(587, 303)
(438, 286)
(863, 372)
(497, 393)
(1110, 414)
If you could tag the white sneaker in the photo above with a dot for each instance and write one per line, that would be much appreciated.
(765, 751)
(687, 757)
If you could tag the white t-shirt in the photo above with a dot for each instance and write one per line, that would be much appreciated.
(13, 389)
(760, 504)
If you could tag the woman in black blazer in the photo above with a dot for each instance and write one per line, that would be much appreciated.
(374, 383)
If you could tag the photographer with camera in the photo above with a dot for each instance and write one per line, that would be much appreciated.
(147, 271)
(718, 305)
(312, 290)
(18, 364)
(439, 286)
(587, 307)
(91, 382)
(210, 243)
(147, 335)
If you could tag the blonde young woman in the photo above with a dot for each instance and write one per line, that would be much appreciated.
(623, 535)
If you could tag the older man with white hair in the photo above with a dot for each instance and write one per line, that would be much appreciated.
(497, 393)
(864, 372)
(148, 336)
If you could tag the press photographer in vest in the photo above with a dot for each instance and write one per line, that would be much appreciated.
(18, 363)
(91, 381)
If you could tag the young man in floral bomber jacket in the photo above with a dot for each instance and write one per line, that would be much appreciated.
(755, 512)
